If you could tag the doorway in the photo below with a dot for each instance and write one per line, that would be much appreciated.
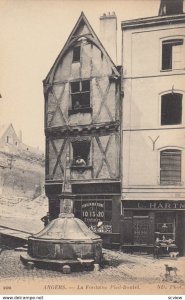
(140, 229)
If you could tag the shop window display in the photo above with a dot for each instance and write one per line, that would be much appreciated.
(97, 214)
(165, 227)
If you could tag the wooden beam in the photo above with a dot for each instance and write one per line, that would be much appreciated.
(104, 157)
(58, 102)
(88, 129)
(101, 164)
(103, 103)
(58, 155)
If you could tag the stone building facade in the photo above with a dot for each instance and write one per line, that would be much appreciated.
(126, 155)
(153, 186)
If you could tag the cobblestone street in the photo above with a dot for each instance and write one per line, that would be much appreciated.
(119, 267)
(121, 272)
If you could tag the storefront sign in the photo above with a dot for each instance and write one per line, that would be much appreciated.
(97, 214)
(154, 205)
(92, 211)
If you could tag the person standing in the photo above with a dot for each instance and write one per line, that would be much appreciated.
(157, 248)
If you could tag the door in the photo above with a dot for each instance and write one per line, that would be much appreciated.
(141, 229)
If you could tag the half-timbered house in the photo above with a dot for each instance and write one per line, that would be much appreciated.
(82, 121)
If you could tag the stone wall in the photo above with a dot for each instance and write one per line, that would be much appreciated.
(24, 177)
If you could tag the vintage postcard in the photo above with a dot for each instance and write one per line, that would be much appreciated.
(92, 147)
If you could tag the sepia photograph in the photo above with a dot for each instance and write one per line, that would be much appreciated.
(92, 148)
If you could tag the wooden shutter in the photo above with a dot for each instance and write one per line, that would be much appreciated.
(172, 54)
(170, 164)
(178, 55)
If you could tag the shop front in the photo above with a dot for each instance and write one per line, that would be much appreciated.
(143, 221)
(96, 213)
(101, 214)
(98, 205)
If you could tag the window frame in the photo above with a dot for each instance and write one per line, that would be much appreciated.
(180, 95)
(171, 39)
(80, 92)
(88, 160)
(79, 54)
(162, 93)
(170, 220)
(170, 182)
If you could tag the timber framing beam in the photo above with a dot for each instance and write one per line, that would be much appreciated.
(101, 128)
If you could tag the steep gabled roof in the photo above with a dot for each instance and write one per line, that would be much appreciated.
(79, 31)
(5, 128)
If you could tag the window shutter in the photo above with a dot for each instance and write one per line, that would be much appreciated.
(172, 54)
(177, 55)
(170, 164)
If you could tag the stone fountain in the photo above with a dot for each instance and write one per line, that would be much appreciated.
(65, 241)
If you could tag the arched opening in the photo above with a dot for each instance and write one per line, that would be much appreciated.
(171, 109)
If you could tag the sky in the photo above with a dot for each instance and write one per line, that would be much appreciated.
(32, 34)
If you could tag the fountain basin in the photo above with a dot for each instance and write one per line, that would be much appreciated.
(65, 239)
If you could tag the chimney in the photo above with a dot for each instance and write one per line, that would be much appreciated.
(20, 135)
(108, 34)
(170, 7)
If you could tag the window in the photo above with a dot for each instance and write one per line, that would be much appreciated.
(9, 140)
(170, 167)
(174, 7)
(165, 225)
(80, 96)
(76, 54)
(171, 109)
(171, 7)
(172, 54)
(97, 214)
(81, 153)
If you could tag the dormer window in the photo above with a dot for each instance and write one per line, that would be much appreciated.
(80, 97)
(76, 54)
(172, 54)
